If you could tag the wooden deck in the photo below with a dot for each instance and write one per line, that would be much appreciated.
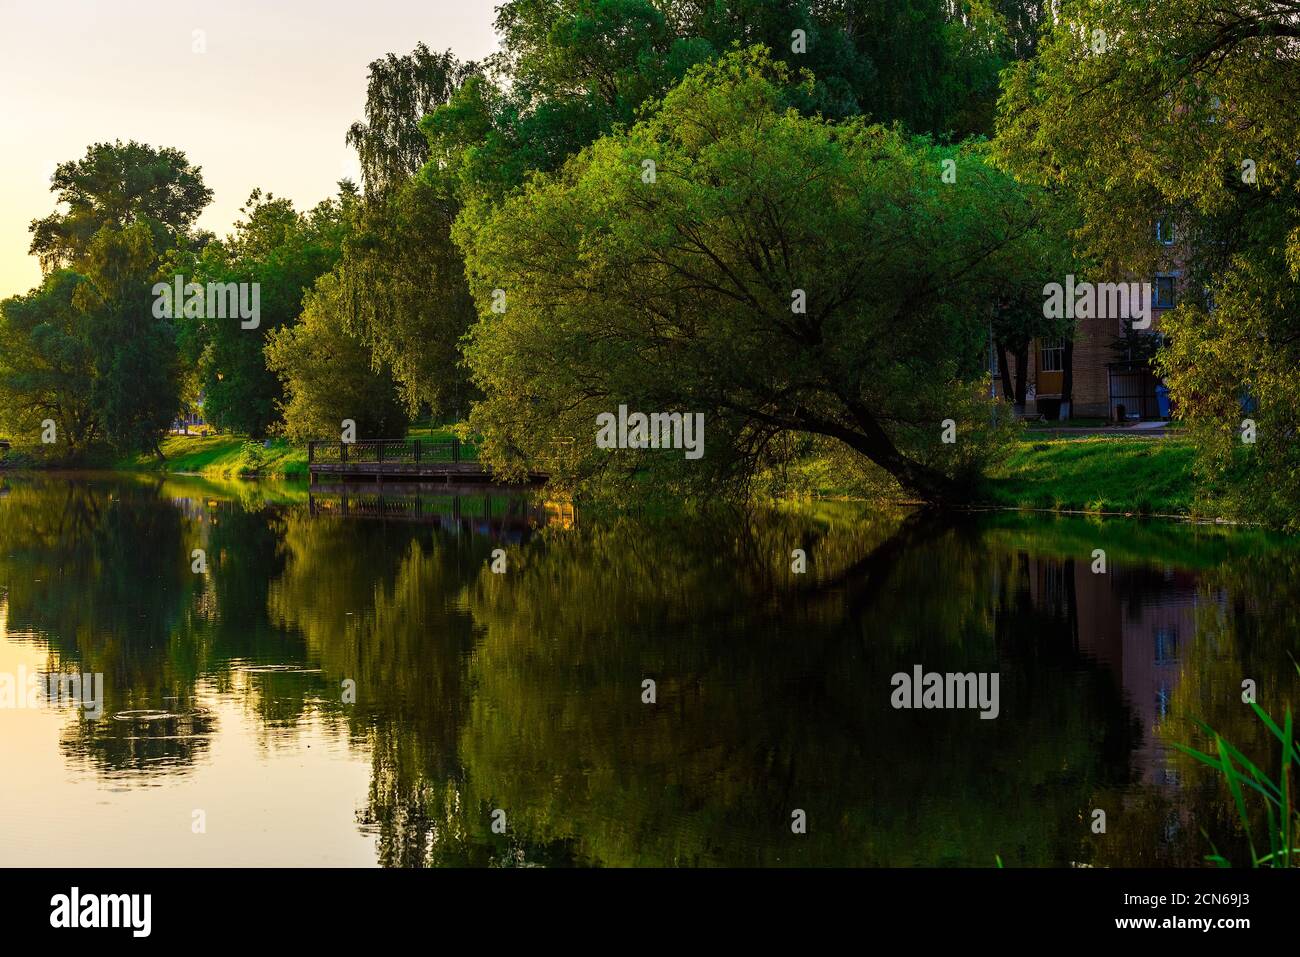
(377, 460)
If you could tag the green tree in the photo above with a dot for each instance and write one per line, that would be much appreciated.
(47, 364)
(86, 348)
(328, 375)
(402, 278)
(137, 370)
(116, 185)
(1185, 112)
(406, 297)
(777, 273)
(400, 92)
(281, 252)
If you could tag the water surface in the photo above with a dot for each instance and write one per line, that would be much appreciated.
(228, 693)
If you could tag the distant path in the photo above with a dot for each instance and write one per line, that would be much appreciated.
(1143, 430)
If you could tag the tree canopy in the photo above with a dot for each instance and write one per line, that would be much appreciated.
(116, 185)
(1185, 112)
(776, 272)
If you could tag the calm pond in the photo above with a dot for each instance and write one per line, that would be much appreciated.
(308, 677)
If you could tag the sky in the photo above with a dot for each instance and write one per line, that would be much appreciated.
(266, 103)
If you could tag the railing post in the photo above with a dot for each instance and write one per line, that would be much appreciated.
(455, 449)
(379, 451)
(343, 452)
(416, 445)
(311, 451)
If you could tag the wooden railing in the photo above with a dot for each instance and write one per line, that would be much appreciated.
(404, 451)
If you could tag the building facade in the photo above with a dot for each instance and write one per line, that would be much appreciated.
(1108, 382)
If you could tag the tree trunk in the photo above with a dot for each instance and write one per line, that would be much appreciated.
(925, 482)
(1022, 375)
(1067, 380)
(1004, 373)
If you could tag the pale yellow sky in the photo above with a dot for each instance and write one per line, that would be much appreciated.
(268, 103)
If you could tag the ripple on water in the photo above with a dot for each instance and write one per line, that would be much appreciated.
(153, 715)
(278, 670)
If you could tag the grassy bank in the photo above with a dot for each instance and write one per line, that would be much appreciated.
(1101, 474)
(222, 456)
(235, 456)
(1090, 474)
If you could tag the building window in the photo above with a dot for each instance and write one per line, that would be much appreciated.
(1166, 645)
(1162, 292)
(1165, 231)
(1051, 355)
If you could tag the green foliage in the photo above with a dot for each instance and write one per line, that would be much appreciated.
(402, 280)
(405, 296)
(328, 375)
(137, 374)
(283, 252)
(572, 71)
(680, 294)
(1186, 110)
(47, 364)
(400, 91)
(86, 350)
(116, 185)
(1277, 794)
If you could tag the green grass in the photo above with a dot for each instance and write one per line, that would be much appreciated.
(235, 456)
(1139, 475)
(1099, 474)
(223, 456)
(1245, 779)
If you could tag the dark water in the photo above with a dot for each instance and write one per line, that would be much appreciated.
(224, 691)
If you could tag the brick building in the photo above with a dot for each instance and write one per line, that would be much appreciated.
(1107, 384)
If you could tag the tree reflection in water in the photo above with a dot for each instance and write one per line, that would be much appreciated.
(476, 691)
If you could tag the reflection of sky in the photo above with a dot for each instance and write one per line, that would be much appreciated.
(285, 776)
(269, 798)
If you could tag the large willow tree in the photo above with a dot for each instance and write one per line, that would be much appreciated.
(775, 272)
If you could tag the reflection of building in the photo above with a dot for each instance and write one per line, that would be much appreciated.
(1138, 623)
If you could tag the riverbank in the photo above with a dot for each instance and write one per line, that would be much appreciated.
(1145, 476)
(233, 456)
(1096, 474)
(222, 456)
(1076, 472)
